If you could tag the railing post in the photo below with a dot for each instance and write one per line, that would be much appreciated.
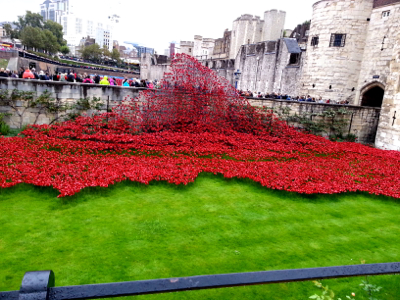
(35, 285)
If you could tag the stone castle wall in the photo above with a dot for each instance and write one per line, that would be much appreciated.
(362, 121)
(333, 72)
(66, 92)
(363, 124)
(381, 37)
(388, 135)
(266, 68)
(151, 71)
(8, 54)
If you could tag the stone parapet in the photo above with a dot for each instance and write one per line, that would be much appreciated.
(362, 121)
(111, 96)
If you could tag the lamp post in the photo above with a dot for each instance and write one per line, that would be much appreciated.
(237, 77)
(255, 82)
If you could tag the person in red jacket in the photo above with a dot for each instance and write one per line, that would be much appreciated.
(28, 74)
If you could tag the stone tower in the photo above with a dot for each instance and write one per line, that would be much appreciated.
(246, 29)
(385, 26)
(383, 29)
(274, 22)
(198, 40)
(388, 134)
(335, 48)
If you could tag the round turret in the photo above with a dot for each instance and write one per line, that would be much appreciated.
(335, 48)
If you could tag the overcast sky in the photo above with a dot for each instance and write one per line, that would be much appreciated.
(156, 23)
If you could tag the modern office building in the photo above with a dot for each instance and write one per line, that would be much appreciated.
(78, 24)
(54, 9)
(141, 49)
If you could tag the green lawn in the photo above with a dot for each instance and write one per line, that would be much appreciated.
(133, 232)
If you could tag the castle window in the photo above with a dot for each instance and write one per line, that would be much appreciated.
(190, 49)
(337, 40)
(315, 41)
(248, 41)
(294, 59)
(385, 14)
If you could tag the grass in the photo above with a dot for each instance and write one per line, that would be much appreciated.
(134, 232)
(14, 132)
(3, 63)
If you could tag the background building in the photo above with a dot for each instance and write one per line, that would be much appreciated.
(54, 10)
(139, 50)
(222, 45)
(2, 31)
(174, 48)
(203, 47)
(247, 29)
(78, 24)
(187, 47)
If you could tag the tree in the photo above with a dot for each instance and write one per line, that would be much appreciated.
(57, 31)
(32, 37)
(13, 34)
(29, 19)
(115, 55)
(50, 43)
(106, 52)
(92, 52)
(50, 37)
(64, 50)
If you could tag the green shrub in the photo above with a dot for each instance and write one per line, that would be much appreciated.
(4, 128)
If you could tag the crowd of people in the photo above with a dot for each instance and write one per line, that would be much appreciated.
(287, 97)
(26, 73)
(29, 55)
(6, 49)
(144, 83)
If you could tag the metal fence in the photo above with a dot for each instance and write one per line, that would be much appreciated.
(40, 285)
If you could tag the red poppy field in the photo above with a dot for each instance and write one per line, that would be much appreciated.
(196, 123)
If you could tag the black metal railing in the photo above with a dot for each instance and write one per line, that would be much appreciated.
(40, 285)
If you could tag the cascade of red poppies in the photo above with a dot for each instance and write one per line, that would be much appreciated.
(195, 123)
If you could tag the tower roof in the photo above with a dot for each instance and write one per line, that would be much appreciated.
(378, 3)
